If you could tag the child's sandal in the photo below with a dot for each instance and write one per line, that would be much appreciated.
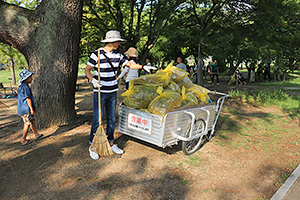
(27, 142)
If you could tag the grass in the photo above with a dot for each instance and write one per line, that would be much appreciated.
(4, 75)
(269, 126)
(193, 161)
(277, 97)
(282, 178)
(292, 80)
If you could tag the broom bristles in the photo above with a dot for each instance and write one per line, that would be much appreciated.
(101, 144)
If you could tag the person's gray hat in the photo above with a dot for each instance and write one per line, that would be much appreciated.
(113, 36)
(24, 74)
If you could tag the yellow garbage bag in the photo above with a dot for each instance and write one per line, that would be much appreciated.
(186, 82)
(176, 73)
(160, 78)
(139, 96)
(201, 92)
(188, 99)
(174, 87)
(164, 102)
(144, 110)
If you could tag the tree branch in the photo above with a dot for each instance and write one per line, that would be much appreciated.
(111, 10)
(137, 30)
(131, 18)
(98, 17)
(15, 25)
(119, 17)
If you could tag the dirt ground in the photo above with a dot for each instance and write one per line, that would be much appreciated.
(248, 158)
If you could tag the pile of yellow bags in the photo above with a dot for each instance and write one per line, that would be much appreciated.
(166, 89)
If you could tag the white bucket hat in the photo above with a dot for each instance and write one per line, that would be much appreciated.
(131, 52)
(112, 36)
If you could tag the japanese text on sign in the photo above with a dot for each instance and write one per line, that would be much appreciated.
(139, 123)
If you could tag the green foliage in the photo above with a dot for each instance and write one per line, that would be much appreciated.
(10, 56)
(140, 22)
(232, 31)
(30, 4)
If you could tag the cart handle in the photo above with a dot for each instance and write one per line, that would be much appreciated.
(207, 120)
(193, 121)
(186, 139)
(218, 109)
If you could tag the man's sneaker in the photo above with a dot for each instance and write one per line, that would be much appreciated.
(218, 83)
(93, 154)
(116, 149)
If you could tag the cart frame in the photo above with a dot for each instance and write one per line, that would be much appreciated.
(192, 125)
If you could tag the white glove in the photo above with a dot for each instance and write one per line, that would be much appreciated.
(96, 84)
(147, 68)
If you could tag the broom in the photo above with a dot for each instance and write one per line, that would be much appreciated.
(100, 142)
(118, 96)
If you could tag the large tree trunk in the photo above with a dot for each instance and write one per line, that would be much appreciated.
(49, 39)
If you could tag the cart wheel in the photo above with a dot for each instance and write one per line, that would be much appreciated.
(192, 146)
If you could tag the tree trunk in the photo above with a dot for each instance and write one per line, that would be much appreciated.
(275, 76)
(200, 66)
(12, 71)
(49, 38)
(231, 67)
(284, 75)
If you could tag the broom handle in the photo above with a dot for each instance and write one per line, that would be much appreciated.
(99, 91)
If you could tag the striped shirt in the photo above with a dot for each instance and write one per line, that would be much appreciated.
(107, 74)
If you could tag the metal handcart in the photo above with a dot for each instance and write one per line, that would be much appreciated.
(192, 125)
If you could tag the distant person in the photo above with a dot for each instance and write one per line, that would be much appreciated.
(26, 107)
(147, 63)
(252, 74)
(215, 72)
(206, 70)
(267, 73)
(195, 71)
(241, 78)
(131, 54)
(180, 64)
(259, 72)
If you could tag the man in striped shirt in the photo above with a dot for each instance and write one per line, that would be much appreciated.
(109, 85)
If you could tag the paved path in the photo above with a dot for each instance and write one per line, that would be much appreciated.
(290, 190)
(294, 192)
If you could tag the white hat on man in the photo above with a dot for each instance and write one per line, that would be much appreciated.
(112, 36)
